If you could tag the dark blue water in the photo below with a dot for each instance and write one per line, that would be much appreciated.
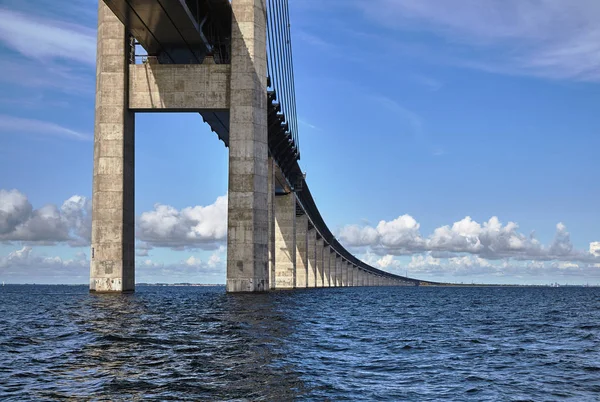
(184, 343)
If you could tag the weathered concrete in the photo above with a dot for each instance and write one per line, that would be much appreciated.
(326, 265)
(247, 221)
(301, 251)
(179, 87)
(112, 266)
(349, 273)
(320, 278)
(338, 270)
(271, 217)
(344, 273)
(312, 257)
(333, 268)
(285, 241)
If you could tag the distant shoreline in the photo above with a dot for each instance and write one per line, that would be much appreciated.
(444, 285)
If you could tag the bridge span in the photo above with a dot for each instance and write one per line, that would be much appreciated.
(230, 61)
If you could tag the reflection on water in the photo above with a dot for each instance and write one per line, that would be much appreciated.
(177, 343)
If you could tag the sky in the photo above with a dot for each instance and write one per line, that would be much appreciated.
(451, 141)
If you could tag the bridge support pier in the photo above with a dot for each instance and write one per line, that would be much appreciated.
(338, 270)
(320, 277)
(247, 221)
(301, 251)
(271, 219)
(326, 266)
(285, 241)
(112, 266)
(311, 248)
(333, 268)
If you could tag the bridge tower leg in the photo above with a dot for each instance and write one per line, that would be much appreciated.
(311, 247)
(113, 232)
(285, 241)
(320, 277)
(326, 265)
(301, 251)
(247, 238)
(332, 267)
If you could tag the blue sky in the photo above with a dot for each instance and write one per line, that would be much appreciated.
(455, 141)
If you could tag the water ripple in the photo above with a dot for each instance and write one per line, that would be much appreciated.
(388, 344)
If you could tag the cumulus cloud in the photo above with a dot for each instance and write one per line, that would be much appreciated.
(19, 265)
(203, 227)
(491, 240)
(491, 271)
(198, 227)
(595, 248)
(191, 269)
(49, 224)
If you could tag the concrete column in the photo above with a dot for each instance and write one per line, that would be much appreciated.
(312, 258)
(285, 241)
(350, 274)
(333, 269)
(326, 265)
(271, 220)
(344, 273)
(355, 276)
(338, 271)
(112, 266)
(301, 251)
(247, 236)
(332, 280)
(320, 277)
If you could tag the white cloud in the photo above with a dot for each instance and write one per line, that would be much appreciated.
(357, 236)
(192, 227)
(215, 260)
(545, 38)
(48, 224)
(198, 227)
(24, 264)
(190, 269)
(595, 248)
(53, 50)
(490, 240)
(12, 125)
(46, 39)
